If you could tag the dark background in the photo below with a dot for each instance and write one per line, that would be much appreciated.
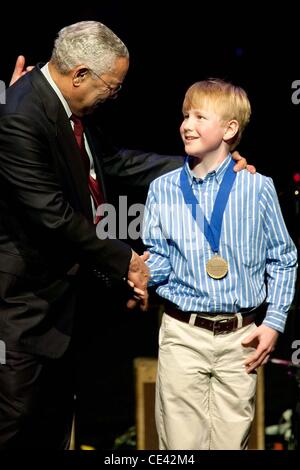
(172, 47)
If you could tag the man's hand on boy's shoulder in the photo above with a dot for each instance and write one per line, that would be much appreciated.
(242, 163)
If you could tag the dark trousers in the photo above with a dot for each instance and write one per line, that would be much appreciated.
(37, 394)
(36, 402)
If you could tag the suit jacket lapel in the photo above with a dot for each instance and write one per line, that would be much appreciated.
(67, 146)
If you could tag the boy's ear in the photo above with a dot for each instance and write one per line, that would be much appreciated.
(231, 129)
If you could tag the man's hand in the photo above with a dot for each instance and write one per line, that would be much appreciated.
(138, 275)
(263, 339)
(20, 69)
(242, 163)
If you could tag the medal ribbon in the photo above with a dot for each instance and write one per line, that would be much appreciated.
(212, 231)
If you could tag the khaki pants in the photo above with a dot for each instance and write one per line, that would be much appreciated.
(204, 398)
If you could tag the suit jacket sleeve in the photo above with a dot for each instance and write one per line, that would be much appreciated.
(33, 183)
(133, 168)
(138, 168)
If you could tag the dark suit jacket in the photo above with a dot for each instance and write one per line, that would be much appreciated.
(46, 228)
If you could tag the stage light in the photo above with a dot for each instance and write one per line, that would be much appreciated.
(296, 178)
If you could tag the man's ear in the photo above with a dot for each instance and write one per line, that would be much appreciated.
(231, 129)
(79, 75)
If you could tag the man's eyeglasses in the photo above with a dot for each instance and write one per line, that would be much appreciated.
(113, 90)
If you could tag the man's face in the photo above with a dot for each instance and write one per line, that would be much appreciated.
(95, 89)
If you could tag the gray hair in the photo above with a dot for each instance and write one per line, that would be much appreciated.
(90, 43)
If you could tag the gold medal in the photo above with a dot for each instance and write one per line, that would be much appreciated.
(217, 267)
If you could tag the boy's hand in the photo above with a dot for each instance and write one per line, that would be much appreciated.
(145, 256)
(242, 163)
(263, 339)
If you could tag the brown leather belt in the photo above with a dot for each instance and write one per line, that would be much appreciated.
(218, 327)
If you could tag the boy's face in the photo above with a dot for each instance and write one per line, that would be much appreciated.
(202, 132)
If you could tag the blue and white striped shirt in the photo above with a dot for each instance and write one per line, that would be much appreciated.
(254, 241)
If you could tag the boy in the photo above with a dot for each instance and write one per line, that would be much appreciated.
(218, 249)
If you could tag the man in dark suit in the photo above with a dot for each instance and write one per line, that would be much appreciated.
(51, 260)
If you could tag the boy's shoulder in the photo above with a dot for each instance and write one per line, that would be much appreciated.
(256, 178)
(172, 177)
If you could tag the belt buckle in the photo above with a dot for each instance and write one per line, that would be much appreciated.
(216, 330)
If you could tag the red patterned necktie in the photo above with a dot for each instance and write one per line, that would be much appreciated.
(93, 183)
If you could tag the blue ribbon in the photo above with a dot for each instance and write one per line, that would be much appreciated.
(211, 231)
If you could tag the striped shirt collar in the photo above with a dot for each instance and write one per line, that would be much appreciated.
(217, 173)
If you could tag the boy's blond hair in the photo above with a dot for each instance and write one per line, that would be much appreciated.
(227, 100)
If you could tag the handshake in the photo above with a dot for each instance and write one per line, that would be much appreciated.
(138, 276)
